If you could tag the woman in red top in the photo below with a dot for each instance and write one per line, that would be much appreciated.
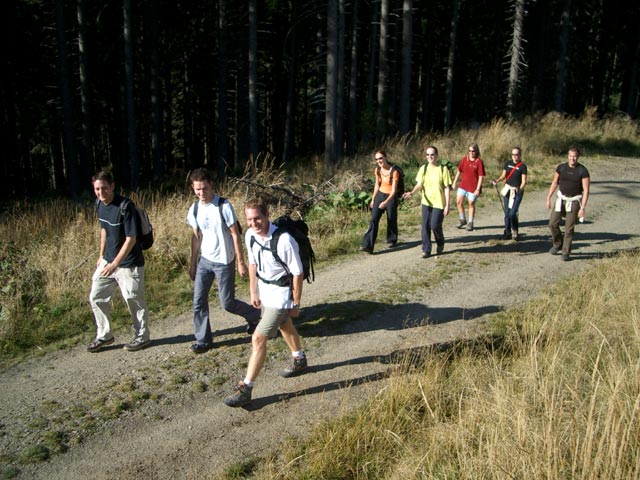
(471, 168)
(384, 199)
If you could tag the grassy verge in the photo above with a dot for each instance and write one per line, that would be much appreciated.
(554, 392)
(48, 250)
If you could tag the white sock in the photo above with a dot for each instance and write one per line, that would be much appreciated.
(470, 219)
(298, 354)
(248, 383)
(462, 217)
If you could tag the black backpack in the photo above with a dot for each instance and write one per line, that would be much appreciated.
(144, 235)
(400, 190)
(299, 230)
(218, 201)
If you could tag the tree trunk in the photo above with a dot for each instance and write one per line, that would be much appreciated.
(10, 161)
(70, 151)
(561, 64)
(383, 71)
(86, 158)
(332, 84)
(157, 137)
(340, 90)
(453, 36)
(517, 60)
(253, 80)
(405, 81)
(288, 146)
(222, 143)
(352, 138)
(130, 100)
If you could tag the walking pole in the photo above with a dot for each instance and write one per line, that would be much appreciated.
(500, 198)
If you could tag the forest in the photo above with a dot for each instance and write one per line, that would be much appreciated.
(154, 88)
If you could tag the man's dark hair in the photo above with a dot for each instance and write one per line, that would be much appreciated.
(200, 175)
(103, 175)
(257, 204)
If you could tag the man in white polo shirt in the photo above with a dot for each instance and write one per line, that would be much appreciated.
(276, 286)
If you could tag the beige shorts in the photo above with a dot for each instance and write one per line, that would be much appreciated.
(271, 320)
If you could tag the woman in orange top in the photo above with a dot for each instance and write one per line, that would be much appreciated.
(384, 199)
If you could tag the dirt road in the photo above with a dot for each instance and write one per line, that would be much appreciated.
(356, 315)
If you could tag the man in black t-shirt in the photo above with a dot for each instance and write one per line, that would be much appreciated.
(120, 264)
(572, 180)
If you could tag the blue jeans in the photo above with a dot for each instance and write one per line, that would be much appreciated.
(226, 274)
(432, 219)
(511, 214)
(391, 209)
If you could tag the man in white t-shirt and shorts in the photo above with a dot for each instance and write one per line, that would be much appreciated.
(276, 288)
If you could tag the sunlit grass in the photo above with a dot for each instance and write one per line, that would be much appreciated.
(553, 392)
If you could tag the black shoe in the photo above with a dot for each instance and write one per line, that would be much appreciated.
(298, 365)
(137, 344)
(98, 344)
(201, 347)
(554, 250)
(439, 249)
(426, 254)
(565, 257)
(392, 244)
(505, 236)
(366, 250)
(241, 396)
(252, 327)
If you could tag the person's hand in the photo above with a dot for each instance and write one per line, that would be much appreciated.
(406, 195)
(255, 300)
(494, 183)
(294, 312)
(371, 204)
(192, 272)
(446, 210)
(108, 269)
(548, 203)
(382, 205)
(242, 268)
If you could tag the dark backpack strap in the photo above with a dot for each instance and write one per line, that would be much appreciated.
(286, 279)
(195, 213)
(219, 202)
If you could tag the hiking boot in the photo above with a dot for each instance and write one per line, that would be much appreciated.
(426, 254)
(98, 344)
(241, 396)
(505, 236)
(554, 250)
(298, 366)
(201, 347)
(470, 227)
(439, 249)
(461, 223)
(137, 344)
(366, 250)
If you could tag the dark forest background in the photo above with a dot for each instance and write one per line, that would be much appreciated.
(154, 88)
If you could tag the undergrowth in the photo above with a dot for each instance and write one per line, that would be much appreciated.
(48, 250)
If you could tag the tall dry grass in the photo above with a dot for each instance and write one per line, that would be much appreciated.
(48, 250)
(557, 397)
